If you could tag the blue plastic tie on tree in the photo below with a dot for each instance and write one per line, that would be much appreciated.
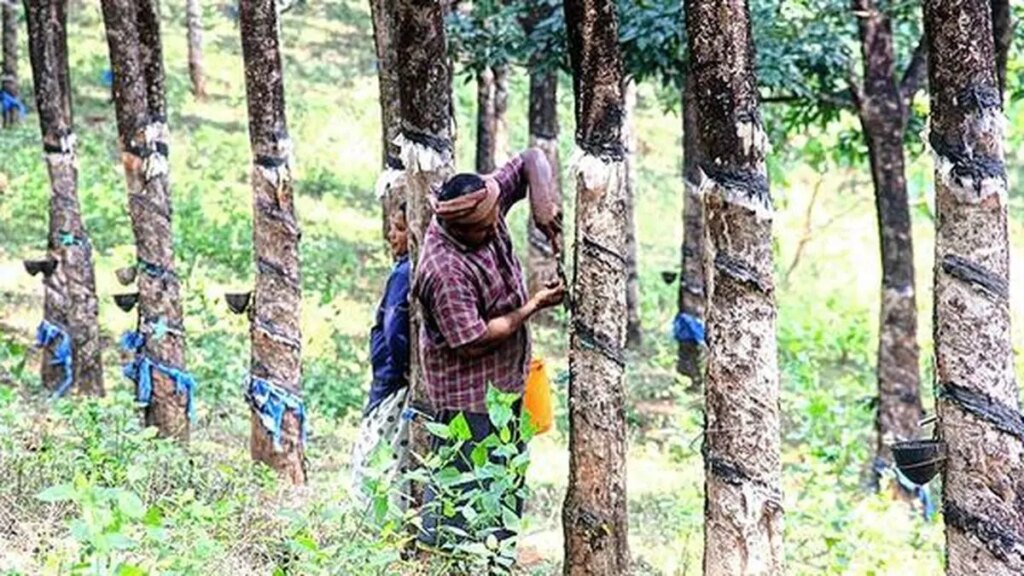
(687, 328)
(10, 102)
(69, 239)
(141, 369)
(154, 270)
(132, 341)
(45, 335)
(920, 492)
(107, 78)
(270, 402)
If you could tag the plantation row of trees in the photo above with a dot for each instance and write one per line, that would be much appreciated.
(70, 331)
(727, 256)
(727, 262)
(810, 77)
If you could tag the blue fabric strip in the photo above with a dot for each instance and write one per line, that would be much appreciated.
(46, 334)
(10, 102)
(141, 369)
(270, 401)
(920, 492)
(687, 328)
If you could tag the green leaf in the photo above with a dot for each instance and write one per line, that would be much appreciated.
(448, 509)
(80, 530)
(439, 430)
(118, 541)
(510, 519)
(475, 549)
(154, 517)
(131, 505)
(130, 570)
(459, 428)
(479, 455)
(500, 415)
(520, 462)
(136, 473)
(306, 542)
(59, 493)
(380, 506)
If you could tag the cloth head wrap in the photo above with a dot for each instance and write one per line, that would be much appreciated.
(470, 209)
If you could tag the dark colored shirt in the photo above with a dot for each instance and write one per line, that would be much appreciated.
(389, 338)
(461, 289)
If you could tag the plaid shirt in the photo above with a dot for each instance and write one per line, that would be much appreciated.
(461, 290)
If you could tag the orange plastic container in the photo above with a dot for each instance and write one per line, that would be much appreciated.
(537, 398)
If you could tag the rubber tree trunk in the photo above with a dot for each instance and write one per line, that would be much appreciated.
(275, 318)
(133, 39)
(425, 93)
(151, 52)
(390, 188)
(594, 516)
(634, 333)
(691, 282)
(501, 150)
(194, 26)
(743, 495)
(883, 119)
(9, 78)
(979, 417)
(70, 296)
(542, 265)
(486, 124)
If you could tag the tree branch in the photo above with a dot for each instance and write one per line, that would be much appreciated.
(915, 74)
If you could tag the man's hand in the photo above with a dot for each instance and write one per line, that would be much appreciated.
(549, 297)
(503, 327)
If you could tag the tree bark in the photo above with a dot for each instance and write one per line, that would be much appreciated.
(743, 500)
(501, 151)
(70, 295)
(275, 319)
(133, 38)
(1002, 33)
(691, 283)
(194, 25)
(151, 52)
(978, 407)
(486, 123)
(389, 188)
(883, 113)
(634, 333)
(9, 77)
(594, 516)
(424, 81)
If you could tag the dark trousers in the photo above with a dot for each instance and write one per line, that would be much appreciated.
(481, 427)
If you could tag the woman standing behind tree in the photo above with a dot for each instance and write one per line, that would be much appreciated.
(382, 424)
